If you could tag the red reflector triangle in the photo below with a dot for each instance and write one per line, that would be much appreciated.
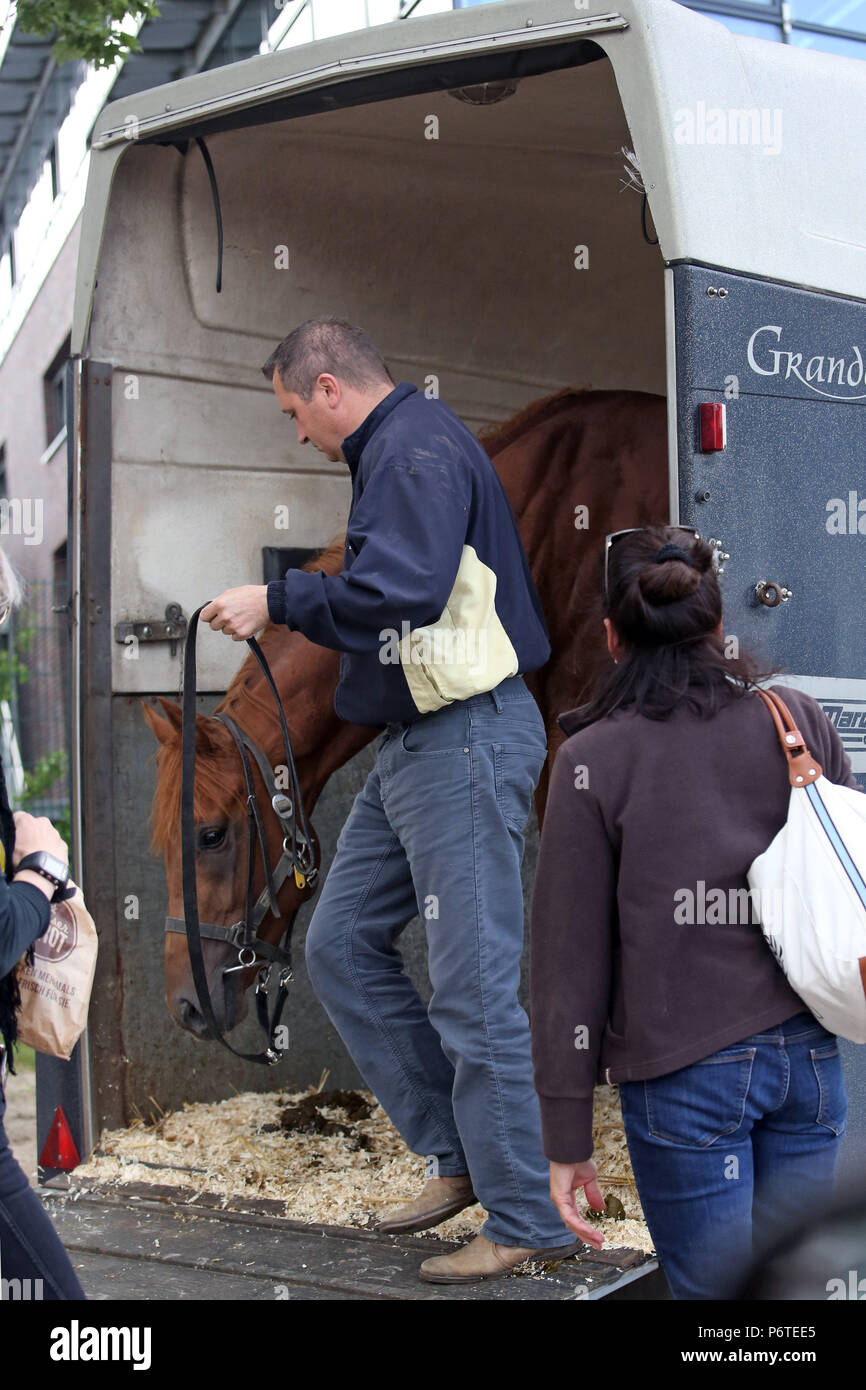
(59, 1150)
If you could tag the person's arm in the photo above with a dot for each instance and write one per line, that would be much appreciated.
(572, 928)
(25, 903)
(407, 529)
(25, 910)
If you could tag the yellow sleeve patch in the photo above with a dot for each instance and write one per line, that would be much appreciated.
(467, 650)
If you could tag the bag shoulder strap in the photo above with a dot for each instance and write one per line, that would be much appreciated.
(802, 767)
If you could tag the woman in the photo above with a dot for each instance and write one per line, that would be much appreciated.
(670, 783)
(29, 1246)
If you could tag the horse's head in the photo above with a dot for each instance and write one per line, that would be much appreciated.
(220, 817)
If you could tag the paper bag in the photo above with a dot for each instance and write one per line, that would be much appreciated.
(55, 989)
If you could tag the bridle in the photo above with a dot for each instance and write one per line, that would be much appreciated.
(299, 855)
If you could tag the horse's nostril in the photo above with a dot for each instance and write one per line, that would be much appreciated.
(191, 1018)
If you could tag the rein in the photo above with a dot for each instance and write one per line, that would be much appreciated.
(298, 856)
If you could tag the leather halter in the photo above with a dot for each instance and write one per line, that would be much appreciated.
(299, 855)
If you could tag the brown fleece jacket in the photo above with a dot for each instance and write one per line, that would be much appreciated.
(644, 819)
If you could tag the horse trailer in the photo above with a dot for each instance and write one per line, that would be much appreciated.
(512, 199)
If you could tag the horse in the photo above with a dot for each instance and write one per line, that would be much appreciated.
(574, 465)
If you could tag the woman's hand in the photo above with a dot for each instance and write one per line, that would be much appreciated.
(36, 832)
(565, 1178)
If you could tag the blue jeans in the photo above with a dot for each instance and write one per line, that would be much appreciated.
(30, 1248)
(438, 830)
(733, 1150)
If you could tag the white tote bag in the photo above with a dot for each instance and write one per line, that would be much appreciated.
(811, 886)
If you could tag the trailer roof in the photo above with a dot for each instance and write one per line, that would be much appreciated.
(750, 151)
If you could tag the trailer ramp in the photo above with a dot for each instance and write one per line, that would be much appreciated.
(170, 1243)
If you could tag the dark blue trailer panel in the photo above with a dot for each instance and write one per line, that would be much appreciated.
(786, 496)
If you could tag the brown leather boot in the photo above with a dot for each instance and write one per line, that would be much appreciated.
(440, 1198)
(486, 1259)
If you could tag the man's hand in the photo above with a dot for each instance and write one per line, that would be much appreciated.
(239, 613)
(565, 1178)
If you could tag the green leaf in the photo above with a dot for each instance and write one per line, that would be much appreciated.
(12, 668)
(41, 777)
(88, 29)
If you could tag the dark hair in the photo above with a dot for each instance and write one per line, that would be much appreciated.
(327, 345)
(666, 613)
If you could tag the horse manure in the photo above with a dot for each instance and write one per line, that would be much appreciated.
(306, 1117)
(614, 1207)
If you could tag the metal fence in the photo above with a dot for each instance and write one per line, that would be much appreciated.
(34, 696)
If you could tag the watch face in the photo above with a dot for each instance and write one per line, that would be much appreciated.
(50, 864)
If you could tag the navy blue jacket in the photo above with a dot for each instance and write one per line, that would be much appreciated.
(435, 601)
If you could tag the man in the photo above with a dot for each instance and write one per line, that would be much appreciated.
(437, 617)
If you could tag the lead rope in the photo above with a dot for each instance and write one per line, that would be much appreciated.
(303, 864)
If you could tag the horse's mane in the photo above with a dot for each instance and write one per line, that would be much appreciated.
(496, 437)
(218, 777)
(249, 676)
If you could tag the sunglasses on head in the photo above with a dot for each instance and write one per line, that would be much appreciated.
(629, 531)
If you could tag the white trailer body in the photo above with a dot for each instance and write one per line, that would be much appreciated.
(495, 249)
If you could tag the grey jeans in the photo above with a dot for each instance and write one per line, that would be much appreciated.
(438, 830)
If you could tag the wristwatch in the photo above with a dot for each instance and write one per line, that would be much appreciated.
(52, 868)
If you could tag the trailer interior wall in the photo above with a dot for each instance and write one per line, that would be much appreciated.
(457, 254)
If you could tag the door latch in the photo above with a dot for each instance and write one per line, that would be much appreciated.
(171, 628)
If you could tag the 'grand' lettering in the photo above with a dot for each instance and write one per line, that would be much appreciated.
(767, 360)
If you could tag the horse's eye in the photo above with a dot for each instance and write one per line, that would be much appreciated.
(212, 838)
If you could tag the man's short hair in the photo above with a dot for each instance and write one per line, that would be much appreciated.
(327, 345)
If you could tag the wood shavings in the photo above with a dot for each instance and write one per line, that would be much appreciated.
(237, 1148)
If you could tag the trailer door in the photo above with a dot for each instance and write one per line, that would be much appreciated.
(786, 494)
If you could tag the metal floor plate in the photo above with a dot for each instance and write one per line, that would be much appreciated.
(161, 1246)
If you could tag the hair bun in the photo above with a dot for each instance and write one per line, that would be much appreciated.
(668, 578)
(670, 551)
